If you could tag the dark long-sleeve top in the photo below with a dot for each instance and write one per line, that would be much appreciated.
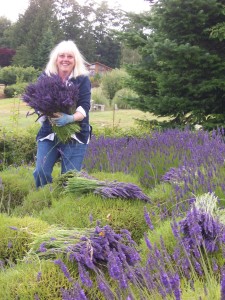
(84, 101)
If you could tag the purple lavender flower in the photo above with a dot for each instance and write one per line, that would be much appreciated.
(64, 268)
(147, 241)
(50, 95)
(104, 288)
(36, 297)
(13, 227)
(1, 264)
(42, 247)
(39, 274)
(84, 276)
(10, 244)
(222, 289)
(175, 284)
(147, 219)
(74, 293)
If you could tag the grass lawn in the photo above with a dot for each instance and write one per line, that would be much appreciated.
(13, 114)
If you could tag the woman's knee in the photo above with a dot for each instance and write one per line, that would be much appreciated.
(43, 174)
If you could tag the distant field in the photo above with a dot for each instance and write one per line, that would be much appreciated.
(13, 113)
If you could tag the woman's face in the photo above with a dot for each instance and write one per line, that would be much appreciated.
(65, 63)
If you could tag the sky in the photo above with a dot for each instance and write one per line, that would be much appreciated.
(12, 8)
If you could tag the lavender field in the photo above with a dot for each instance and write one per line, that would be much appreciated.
(158, 234)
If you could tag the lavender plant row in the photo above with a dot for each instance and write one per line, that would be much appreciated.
(189, 160)
(197, 234)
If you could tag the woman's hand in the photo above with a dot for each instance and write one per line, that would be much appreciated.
(62, 119)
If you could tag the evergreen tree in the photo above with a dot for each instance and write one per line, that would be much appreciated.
(23, 57)
(5, 24)
(182, 70)
(30, 30)
(45, 47)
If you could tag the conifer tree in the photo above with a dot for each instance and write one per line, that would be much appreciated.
(182, 69)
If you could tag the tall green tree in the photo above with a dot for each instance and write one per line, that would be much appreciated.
(182, 70)
(46, 22)
(106, 22)
(45, 47)
(30, 30)
(5, 24)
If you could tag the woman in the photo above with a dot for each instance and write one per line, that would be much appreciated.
(66, 61)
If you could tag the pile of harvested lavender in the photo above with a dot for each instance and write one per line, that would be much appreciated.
(90, 249)
(81, 183)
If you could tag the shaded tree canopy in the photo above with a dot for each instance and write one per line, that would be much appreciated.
(46, 22)
(6, 55)
(182, 69)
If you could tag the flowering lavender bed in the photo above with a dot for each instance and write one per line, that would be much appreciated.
(190, 161)
(184, 261)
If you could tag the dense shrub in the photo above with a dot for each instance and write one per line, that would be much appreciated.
(121, 96)
(14, 90)
(99, 97)
(16, 183)
(16, 234)
(112, 82)
(35, 201)
(12, 74)
(16, 148)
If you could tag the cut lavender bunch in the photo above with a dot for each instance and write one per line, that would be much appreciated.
(80, 185)
(90, 249)
(121, 190)
(50, 95)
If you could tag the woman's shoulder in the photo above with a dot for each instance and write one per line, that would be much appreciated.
(81, 79)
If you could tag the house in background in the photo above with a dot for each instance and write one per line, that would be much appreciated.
(94, 69)
(98, 68)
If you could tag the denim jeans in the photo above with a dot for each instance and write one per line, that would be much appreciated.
(48, 152)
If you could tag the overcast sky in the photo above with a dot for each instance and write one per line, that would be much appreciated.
(12, 8)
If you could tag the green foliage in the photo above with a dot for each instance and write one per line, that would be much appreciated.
(163, 231)
(115, 212)
(45, 47)
(113, 81)
(16, 148)
(14, 74)
(15, 90)
(99, 97)
(29, 280)
(34, 202)
(182, 67)
(95, 80)
(117, 131)
(45, 23)
(16, 234)
(16, 184)
(121, 98)
(218, 31)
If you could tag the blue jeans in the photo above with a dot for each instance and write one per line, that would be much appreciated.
(48, 152)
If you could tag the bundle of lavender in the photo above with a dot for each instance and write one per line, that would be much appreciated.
(96, 248)
(78, 184)
(49, 96)
(57, 240)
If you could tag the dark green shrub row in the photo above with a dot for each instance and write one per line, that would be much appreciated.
(16, 148)
(12, 74)
(20, 148)
(14, 90)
